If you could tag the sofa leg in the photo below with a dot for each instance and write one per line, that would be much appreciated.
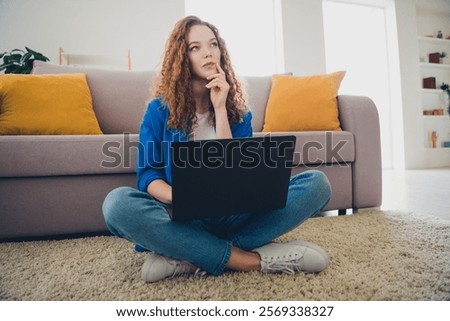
(342, 211)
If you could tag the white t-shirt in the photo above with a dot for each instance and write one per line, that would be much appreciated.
(203, 129)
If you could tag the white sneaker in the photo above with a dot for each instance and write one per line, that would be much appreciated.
(157, 267)
(291, 257)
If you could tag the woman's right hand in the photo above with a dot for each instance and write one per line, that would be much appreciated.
(219, 88)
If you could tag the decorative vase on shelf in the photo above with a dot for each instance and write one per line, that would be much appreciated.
(434, 137)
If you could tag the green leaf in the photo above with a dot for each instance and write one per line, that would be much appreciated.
(41, 57)
(12, 58)
(6, 65)
(25, 58)
(37, 55)
(17, 50)
(14, 69)
(30, 50)
(26, 70)
(29, 65)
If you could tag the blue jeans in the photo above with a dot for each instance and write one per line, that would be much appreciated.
(206, 243)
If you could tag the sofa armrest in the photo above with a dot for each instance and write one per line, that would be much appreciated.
(359, 116)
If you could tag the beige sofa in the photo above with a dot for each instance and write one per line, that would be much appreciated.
(55, 185)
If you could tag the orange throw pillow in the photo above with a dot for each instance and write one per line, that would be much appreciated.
(46, 105)
(303, 103)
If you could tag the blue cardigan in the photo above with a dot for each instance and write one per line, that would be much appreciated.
(154, 159)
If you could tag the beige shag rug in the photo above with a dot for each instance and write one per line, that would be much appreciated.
(374, 256)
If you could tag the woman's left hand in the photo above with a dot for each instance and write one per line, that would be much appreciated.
(219, 88)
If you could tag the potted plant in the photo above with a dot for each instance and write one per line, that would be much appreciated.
(442, 57)
(446, 88)
(18, 61)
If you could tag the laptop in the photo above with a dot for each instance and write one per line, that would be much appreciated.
(230, 176)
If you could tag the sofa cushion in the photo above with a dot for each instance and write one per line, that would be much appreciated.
(44, 155)
(258, 89)
(303, 103)
(46, 105)
(340, 177)
(318, 148)
(119, 97)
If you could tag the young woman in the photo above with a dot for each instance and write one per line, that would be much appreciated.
(197, 96)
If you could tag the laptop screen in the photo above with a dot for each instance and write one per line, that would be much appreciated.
(230, 176)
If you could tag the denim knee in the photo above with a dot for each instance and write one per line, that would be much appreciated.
(321, 187)
(113, 205)
(317, 187)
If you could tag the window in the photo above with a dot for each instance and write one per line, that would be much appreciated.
(251, 29)
(359, 46)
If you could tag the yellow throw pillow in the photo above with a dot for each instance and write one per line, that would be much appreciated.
(303, 103)
(46, 105)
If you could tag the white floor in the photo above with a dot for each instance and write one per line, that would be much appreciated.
(425, 191)
(420, 191)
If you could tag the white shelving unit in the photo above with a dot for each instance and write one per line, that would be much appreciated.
(429, 22)
(435, 66)
(443, 117)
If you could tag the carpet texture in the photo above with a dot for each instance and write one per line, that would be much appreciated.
(374, 256)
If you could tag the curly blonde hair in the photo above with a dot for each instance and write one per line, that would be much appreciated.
(174, 85)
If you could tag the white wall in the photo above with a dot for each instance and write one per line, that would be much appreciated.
(90, 27)
(396, 113)
(114, 26)
(304, 44)
(410, 83)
